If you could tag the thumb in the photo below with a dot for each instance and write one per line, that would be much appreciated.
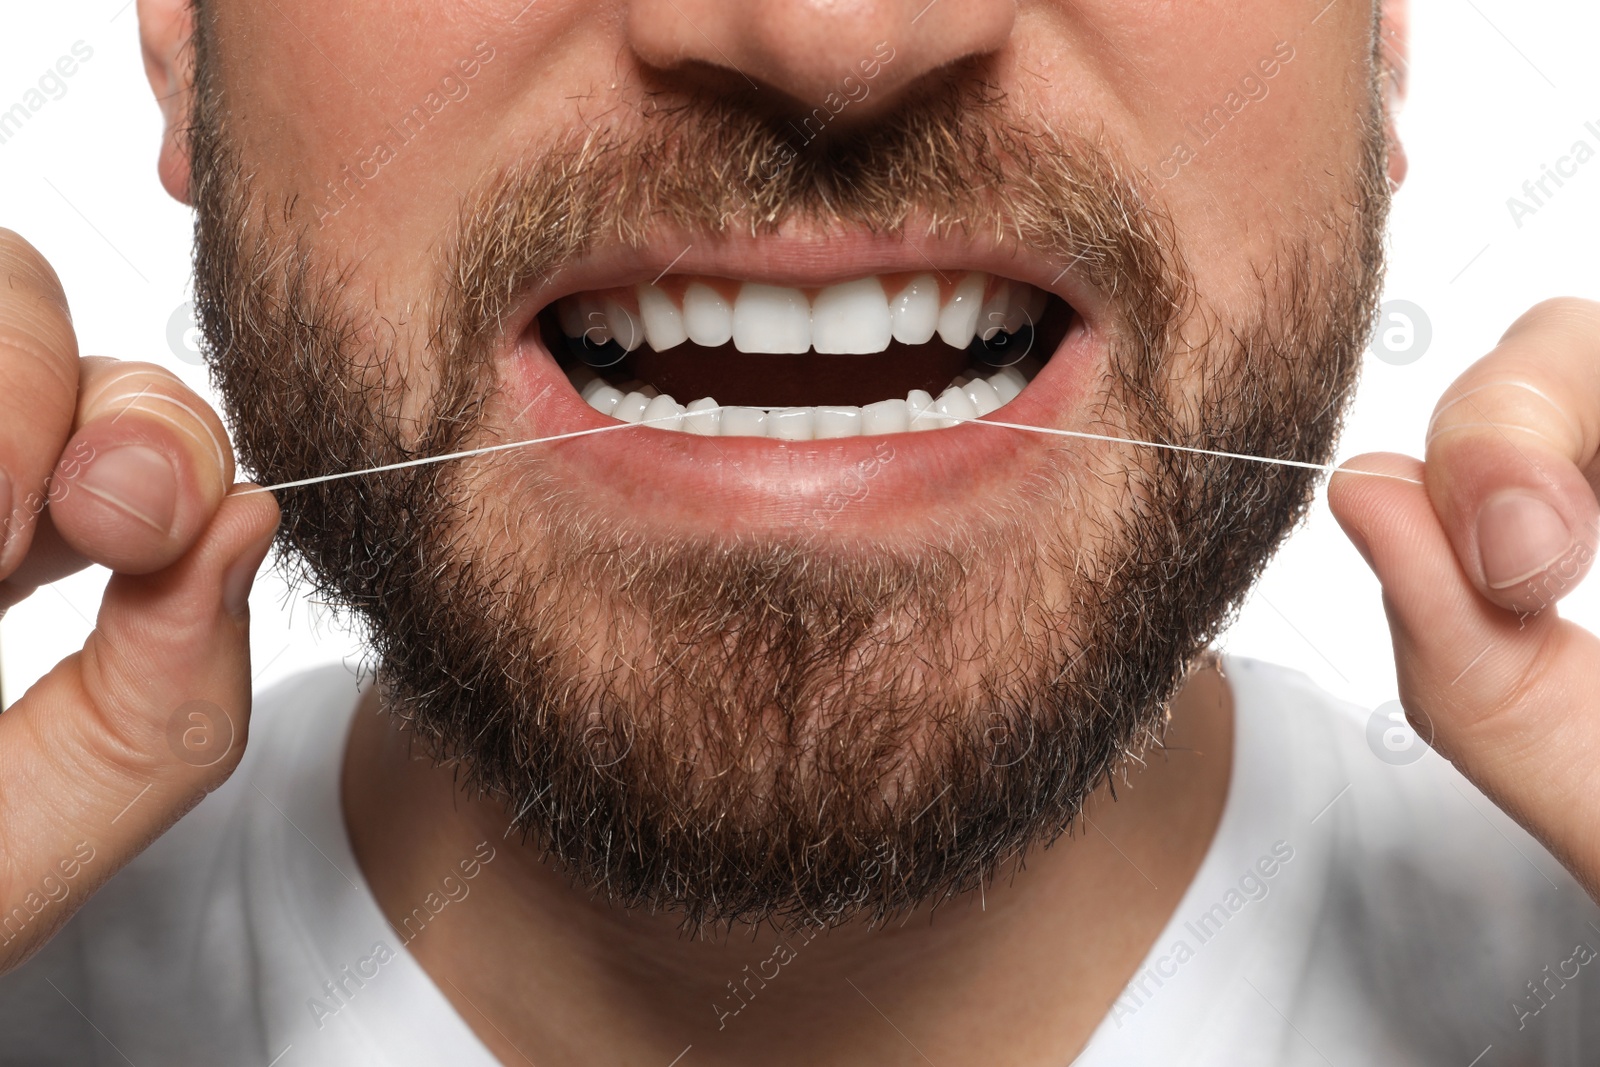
(113, 745)
(1506, 696)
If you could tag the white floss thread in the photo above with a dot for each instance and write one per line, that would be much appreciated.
(1327, 468)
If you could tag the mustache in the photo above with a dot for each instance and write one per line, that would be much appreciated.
(957, 159)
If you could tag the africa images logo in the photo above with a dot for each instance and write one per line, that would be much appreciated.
(1538, 192)
(1252, 887)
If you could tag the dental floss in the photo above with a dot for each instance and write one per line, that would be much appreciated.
(1327, 468)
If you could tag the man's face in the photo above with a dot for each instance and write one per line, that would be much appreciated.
(769, 670)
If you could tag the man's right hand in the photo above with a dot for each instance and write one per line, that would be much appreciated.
(118, 464)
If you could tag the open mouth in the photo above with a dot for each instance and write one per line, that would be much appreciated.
(880, 354)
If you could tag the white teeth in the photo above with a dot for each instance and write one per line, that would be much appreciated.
(631, 407)
(744, 422)
(886, 416)
(855, 317)
(850, 318)
(920, 413)
(663, 322)
(958, 319)
(603, 399)
(915, 311)
(983, 396)
(624, 325)
(1007, 383)
(791, 424)
(968, 398)
(706, 316)
(770, 318)
(701, 417)
(837, 422)
(954, 403)
(663, 412)
(992, 319)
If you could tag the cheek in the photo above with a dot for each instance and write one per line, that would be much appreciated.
(375, 137)
(1167, 85)
(366, 128)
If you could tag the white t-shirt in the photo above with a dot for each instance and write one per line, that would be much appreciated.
(1350, 911)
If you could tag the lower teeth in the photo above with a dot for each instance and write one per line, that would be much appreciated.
(971, 395)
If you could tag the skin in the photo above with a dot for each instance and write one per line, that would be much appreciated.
(86, 755)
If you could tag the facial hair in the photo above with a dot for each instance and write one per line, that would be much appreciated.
(789, 727)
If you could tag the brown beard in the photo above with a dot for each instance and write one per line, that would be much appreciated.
(789, 727)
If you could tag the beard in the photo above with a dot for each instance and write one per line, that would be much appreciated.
(793, 727)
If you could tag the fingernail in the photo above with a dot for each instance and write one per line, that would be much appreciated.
(236, 583)
(136, 480)
(1519, 536)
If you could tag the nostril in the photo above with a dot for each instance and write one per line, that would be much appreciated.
(858, 56)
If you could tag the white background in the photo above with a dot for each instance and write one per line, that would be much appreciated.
(1499, 88)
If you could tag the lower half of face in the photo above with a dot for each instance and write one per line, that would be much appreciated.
(808, 639)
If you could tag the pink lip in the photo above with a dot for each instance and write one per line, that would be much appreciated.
(862, 486)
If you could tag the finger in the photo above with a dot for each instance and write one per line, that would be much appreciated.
(1503, 695)
(116, 742)
(146, 467)
(49, 559)
(39, 369)
(1512, 457)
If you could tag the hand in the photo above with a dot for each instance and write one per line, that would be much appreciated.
(119, 464)
(1473, 561)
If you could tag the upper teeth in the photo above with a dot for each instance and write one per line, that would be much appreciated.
(860, 316)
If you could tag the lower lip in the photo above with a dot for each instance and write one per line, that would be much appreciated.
(744, 485)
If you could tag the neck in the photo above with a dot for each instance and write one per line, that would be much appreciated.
(1020, 972)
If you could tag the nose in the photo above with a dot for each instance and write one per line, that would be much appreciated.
(809, 48)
